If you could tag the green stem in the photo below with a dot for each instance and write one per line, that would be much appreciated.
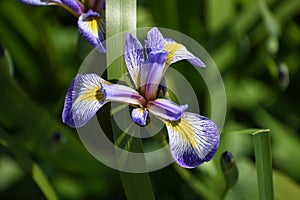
(120, 17)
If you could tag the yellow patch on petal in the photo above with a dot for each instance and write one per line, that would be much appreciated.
(93, 24)
(184, 130)
(171, 48)
(92, 94)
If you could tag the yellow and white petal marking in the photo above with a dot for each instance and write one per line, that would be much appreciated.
(193, 139)
(83, 100)
(179, 52)
(88, 25)
(172, 48)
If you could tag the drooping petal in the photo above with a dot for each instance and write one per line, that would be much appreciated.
(40, 2)
(155, 41)
(193, 139)
(73, 5)
(123, 94)
(91, 26)
(139, 116)
(179, 52)
(134, 57)
(151, 74)
(166, 109)
(83, 100)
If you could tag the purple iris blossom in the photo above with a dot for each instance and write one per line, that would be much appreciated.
(90, 14)
(193, 139)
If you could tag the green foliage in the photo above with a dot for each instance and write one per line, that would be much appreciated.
(250, 42)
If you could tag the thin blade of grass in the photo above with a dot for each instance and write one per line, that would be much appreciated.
(263, 159)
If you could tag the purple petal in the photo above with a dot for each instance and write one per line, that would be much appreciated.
(71, 5)
(74, 5)
(166, 109)
(179, 52)
(92, 27)
(83, 100)
(193, 140)
(155, 41)
(151, 74)
(134, 57)
(139, 116)
(98, 5)
(41, 2)
(123, 94)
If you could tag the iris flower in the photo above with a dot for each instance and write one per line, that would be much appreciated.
(90, 14)
(193, 138)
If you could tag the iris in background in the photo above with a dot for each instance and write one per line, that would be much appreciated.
(91, 17)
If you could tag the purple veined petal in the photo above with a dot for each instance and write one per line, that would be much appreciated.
(166, 109)
(122, 94)
(134, 57)
(91, 26)
(155, 41)
(193, 139)
(41, 2)
(139, 116)
(83, 100)
(179, 52)
(152, 73)
(74, 6)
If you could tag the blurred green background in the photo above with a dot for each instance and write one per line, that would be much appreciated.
(256, 48)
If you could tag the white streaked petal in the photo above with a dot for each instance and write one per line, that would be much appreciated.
(193, 140)
(139, 116)
(134, 57)
(91, 27)
(155, 41)
(83, 100)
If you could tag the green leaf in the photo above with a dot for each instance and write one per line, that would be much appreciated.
(263, 159)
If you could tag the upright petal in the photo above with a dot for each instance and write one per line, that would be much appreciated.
(123, 94)
(91, 26)
(166, 109)
(139, 116)
(151, 74)
(193, 140)
(83, 100)
(179, 52)
(155, 41)
(134, 57)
